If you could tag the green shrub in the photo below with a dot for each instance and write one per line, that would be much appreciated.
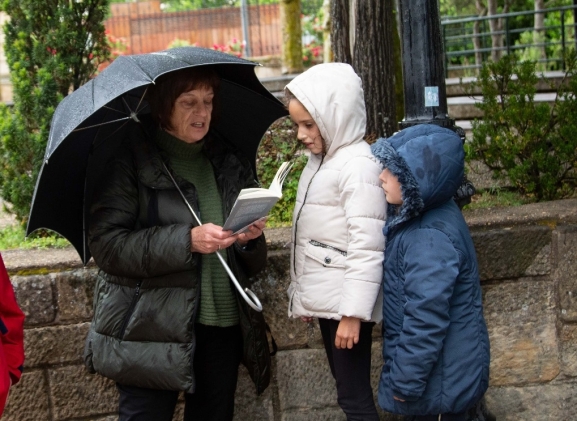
(13, 237)
(52, 48)
(532, 144)
(278, 145)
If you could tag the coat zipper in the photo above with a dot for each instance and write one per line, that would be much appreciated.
(299, 214)
(326, 246)
(130, 309)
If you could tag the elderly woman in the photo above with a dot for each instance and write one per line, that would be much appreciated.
(166, 316)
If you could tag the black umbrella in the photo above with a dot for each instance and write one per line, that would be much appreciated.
(87, 123)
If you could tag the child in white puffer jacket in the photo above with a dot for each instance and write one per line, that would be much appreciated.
(336, 258)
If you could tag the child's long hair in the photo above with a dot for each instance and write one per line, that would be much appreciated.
(288, 97)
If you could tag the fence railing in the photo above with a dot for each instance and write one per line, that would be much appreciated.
(471, 41)
(468, 41)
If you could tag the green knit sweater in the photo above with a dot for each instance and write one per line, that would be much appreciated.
(218, 305)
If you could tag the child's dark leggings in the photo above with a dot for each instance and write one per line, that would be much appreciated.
(443, 417)
(351, 368)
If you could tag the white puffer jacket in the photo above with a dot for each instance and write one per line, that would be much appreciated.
(337, 241)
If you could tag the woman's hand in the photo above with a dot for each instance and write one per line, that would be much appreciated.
(208, 238)
(348, 332)
(307, 319)
(254, 231)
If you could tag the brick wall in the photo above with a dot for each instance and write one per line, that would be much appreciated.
(527, 257)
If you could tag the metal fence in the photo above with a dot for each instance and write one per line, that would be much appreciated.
(473, 40)
(141, 27)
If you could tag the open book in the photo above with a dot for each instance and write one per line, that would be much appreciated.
(254, 204)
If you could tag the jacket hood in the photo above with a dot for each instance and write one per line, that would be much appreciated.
(428, 161)
(332, 93)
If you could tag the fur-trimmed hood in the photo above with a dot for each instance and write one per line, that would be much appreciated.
(429, 163)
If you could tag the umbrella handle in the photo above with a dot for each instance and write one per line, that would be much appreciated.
(253, 300)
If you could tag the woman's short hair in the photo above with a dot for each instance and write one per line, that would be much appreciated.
(288, 97)
(163, 93)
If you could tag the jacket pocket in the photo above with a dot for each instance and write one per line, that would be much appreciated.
(325, 254)
(130, 311)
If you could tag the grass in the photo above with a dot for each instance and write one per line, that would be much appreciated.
(13, 237)
(497, 198)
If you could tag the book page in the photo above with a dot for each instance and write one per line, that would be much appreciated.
(255, 203)
(246, 212)
(278, 180)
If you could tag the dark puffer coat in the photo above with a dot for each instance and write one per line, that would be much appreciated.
(436, 346)
(147, 293)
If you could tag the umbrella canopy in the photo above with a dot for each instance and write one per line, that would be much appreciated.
(88, 124)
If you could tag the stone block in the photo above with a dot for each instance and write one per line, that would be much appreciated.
(318, 414)
(54, 344)
(271, 286)
(28, 399)
(304, 380)
(564, 246)
(75, 393)
(75, 290)
(179, 410)
(521, 320)
(249, 406)
(35, 297)
(508, 253)
(568, 340)
(329, 414)
(376, 365)
(460, 110)
(543, 403)
(542, 264)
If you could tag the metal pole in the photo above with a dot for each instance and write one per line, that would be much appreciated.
(423, 64)
(423, 59)
(245, 27)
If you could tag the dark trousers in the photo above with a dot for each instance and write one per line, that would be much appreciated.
(216, 360)
(351, 369)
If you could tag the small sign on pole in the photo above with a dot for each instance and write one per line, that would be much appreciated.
(431, 96)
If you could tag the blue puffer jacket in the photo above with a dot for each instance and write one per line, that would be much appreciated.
(436, 346)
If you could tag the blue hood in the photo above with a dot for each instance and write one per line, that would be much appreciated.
(429, 162)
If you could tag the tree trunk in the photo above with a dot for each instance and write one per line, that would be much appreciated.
(495, 25)
(292, 48)
(327, 41)
(340, 31)
(373, 61)
(477, 40)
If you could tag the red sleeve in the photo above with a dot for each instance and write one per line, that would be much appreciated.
(11, 326)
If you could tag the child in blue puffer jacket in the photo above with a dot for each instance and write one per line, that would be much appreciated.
(436, 345)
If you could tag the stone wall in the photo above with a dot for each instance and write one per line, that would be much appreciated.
(527, 256)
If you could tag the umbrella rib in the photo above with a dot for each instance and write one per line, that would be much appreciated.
(134, 114)
(97, 145)
(102, 124)
(141, 99)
